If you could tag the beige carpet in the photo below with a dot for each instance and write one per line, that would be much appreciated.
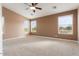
(40, 46)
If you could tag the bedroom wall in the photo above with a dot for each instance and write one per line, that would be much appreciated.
(48, 26)
(13, 26)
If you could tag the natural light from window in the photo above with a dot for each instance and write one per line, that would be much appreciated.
(65, 24)
(33, 26)
(26, 26)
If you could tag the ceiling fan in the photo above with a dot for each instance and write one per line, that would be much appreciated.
(33, 6)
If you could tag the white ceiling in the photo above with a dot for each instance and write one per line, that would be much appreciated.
(47, 9)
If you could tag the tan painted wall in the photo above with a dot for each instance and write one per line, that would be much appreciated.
(13, 26)
(48, 26)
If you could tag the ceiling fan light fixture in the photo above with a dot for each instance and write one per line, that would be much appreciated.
(32, 8)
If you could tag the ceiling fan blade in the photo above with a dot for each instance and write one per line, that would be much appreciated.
(34, 11)
(33, 4)
(38, 8)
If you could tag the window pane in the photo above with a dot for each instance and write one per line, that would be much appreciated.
(33, 26)
(26, 26)
(65, 24)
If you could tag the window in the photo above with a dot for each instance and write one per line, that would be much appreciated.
(33, 26)
(26, 26)
(65, 24)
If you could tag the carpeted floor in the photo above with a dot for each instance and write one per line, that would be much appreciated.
(40, 46)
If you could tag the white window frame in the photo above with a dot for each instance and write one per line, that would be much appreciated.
(31, 26)
(28, 29)
(72, 24)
